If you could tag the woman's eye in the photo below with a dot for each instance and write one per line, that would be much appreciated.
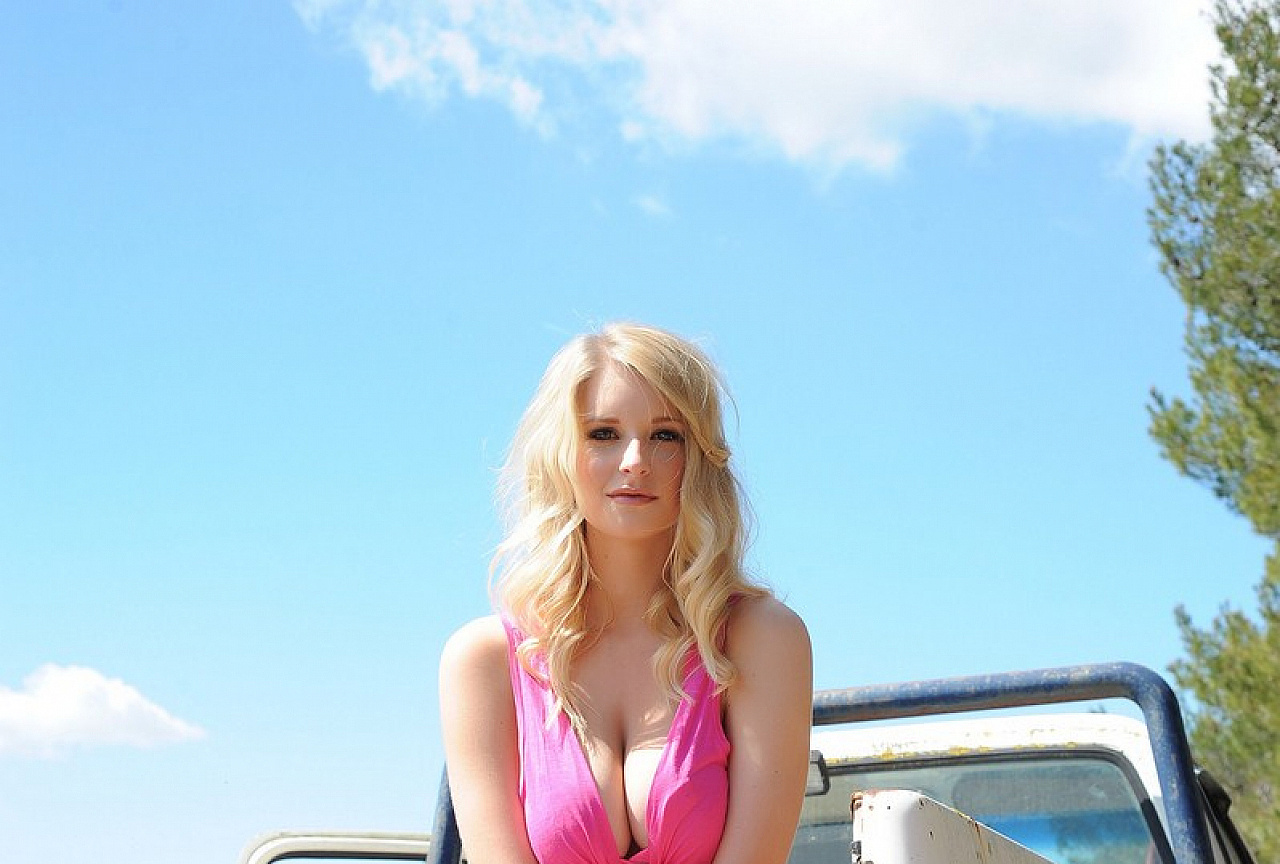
(602, 434)
(671, 435)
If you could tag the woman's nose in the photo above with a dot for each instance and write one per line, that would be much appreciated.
(634, 458)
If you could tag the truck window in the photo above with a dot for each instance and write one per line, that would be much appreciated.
(1071, 809)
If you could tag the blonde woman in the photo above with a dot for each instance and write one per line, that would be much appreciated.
(636, 697)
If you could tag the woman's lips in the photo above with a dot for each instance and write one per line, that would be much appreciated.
(631, 496)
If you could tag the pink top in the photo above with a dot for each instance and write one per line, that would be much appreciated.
(563, 813)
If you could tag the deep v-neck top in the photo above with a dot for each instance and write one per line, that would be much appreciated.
(563, 812)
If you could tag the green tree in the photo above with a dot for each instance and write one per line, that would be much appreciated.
(1215, 220)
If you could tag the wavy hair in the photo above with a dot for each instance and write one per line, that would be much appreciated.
(541, 567)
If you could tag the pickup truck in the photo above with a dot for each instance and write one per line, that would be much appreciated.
(1046, 786)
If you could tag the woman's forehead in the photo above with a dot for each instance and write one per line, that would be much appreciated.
(617, 389)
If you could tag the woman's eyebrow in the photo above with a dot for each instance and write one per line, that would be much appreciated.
(591, 418)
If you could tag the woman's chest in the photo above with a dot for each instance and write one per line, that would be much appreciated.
(628, 718)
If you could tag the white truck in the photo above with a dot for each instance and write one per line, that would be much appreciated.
(888, 786)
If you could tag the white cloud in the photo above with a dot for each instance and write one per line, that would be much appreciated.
(424, 58)
(823, 82)
(60, 708)
(652, 205)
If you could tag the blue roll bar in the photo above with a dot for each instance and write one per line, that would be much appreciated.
(446, 845)
(1188, 832)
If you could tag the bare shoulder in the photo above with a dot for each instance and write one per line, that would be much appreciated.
(476, 649)
(770, 699)
(480, 729)
(764, 622)
(765, 637)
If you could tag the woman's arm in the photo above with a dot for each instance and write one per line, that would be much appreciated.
(477, 715)
(769, 711)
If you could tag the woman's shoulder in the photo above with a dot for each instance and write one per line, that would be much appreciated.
(766, 623)
(765, 615)
(479, 646)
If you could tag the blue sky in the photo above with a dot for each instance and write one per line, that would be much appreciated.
(276, 282)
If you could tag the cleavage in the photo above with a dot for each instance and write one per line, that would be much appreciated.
(628, 720)
(624, 786)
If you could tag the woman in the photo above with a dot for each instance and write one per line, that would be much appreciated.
(637, 697)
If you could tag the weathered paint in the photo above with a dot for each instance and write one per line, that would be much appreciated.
(896, 826)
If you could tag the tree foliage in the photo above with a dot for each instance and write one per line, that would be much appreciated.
(1215, 220)
(1233, 671)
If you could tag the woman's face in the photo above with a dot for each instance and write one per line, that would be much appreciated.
(631, 455)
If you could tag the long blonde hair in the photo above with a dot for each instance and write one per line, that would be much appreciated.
(542, 568)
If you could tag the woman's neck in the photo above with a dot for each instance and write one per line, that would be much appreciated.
(627, 575)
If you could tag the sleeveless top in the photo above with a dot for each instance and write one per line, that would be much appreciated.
(564, 815)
